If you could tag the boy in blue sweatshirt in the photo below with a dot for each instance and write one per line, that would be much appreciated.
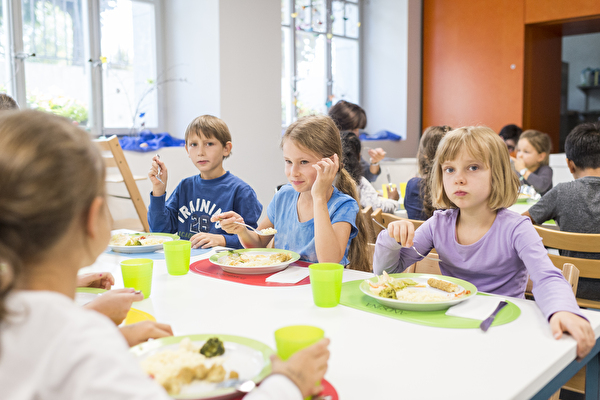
(188, 210)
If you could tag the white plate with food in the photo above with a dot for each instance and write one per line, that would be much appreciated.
(192, 366)
(418, 292)
(254, 261)
(139, 242)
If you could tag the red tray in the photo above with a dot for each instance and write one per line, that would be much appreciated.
(328, 390)
(206, 268)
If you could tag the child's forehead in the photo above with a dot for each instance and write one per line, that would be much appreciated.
(465, 155)
(293, 148)
(198, 134)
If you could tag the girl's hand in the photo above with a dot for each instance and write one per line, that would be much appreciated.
(207, 240)
(376, 155)
(227, 222)
(158, 188)
(393, 193)
(402, 232)
(102, 280)
(305, 368)
(327, 169)
(519, 164)
(142, 331)
(115, 304)
(579, 328)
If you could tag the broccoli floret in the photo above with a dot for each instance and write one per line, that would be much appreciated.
(388, 293)
(213, 347)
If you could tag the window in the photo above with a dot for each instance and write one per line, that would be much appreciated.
(93, 61)
(320, 51)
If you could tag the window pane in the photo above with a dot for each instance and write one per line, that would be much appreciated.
(285, 12)
(311, 78)
(55, 78)
(129, 75)
(287, 108)
(318, 16)
(337, 26)
(4, 84)
(345, 69)
(351, 21)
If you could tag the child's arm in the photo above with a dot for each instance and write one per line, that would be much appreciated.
(162, 215)
(248, 238)
(158, 188)
(388, 250)
(541, 180)
(579, 328)
(330, 239)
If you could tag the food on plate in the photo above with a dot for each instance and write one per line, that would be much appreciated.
(268, 231)
(442, 285)
(213, 347)
(406, 289)
(175, 368)
(253, 260)
(124, 239)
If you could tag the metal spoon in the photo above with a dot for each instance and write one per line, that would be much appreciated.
(417, 251)
(260, 233)
(243, 386)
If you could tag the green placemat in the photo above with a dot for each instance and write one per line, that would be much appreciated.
(353, 297)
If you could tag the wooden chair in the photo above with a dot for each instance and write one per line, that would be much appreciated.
(114, 159)
(585, 242)
(365, 214)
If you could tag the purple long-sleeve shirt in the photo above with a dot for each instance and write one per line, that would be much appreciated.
(499, 263)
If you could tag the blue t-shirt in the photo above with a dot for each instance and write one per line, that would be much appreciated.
(195, 200)
(300, 236)
(413, 203)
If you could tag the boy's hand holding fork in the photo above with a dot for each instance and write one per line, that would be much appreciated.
(158, 176)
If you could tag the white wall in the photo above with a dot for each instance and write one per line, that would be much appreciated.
(230, 54)
(391, 64)
(581, 51)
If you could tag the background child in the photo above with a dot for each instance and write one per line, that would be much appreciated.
(316, 215)
(368, 195)
(351, 117)
(417, 199)
(197, 198)
(575, 205)
(53, 182)
(7, 102)
(510, 134)
(533, 156)
(477, 238)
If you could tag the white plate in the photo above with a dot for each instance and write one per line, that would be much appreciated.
(248, 357)
(423, 306)
(143, 249)
(218, 258)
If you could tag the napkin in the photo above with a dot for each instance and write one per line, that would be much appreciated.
(289, 275)
(477, 307)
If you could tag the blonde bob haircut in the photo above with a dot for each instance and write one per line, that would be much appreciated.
(484, 145)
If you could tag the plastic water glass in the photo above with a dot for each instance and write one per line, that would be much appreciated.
(326, 283)
(290, 339)
(137, 274)
(177, 255)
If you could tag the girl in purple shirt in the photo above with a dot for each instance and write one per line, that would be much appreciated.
(477, 238)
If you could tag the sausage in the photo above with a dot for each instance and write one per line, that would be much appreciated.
(442, 285)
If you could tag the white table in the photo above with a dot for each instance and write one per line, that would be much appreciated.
(373, 356)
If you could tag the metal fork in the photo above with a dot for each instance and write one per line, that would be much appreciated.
(417, 251)
(259, 232)
(158, 174)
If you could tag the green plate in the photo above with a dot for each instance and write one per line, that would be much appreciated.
(422, 306)
(217, 259)
(249, 357)
(353, 297)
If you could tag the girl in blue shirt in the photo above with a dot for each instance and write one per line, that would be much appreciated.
(315, 214)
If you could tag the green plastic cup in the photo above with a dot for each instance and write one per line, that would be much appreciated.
(137, 274)
(177, 255)
(326, 283)
(290, 339)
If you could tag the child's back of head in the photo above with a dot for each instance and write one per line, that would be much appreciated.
(348, 116)
(428, 145)
(7, 102)
(485, 146)
(351, 148)
(540, 141)
(582, 145)
(49, 173)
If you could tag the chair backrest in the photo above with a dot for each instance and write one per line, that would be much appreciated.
(365, 214)
(584, 242)
(114, 157)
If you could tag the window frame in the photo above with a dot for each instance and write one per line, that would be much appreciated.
(291, 26)
(15, 59)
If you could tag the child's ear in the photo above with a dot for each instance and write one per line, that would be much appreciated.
(186, 149)
(94, 217)
(541, 156)
(571, 165)
(227, 149)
